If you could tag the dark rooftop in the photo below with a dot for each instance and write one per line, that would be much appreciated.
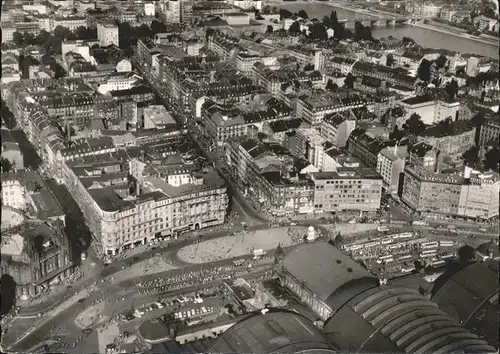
(274, 331)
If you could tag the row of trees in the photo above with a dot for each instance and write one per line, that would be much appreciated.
(318, 30)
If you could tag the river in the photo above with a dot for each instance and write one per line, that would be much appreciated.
(423, 36)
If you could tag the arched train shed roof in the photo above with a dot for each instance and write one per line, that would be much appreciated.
(277, 331)
(471, 297)
(398, 320)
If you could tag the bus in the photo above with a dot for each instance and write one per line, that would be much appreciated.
(446, 243)
(382, 229)
(405, 258)
(371, 244)
(405, 235)
(437, 263)
(386, 240)
(447, 256)
(385, 259)
(429, 245)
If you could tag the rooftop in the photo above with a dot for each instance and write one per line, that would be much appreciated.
(272, 331)
(331, 268)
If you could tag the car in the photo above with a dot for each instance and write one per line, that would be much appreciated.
(135, 259)
(87, 331)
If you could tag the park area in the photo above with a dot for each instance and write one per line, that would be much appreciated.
(244, 243)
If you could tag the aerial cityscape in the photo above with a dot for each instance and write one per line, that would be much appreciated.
(250, 176)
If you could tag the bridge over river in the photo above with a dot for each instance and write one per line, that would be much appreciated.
(365, 17)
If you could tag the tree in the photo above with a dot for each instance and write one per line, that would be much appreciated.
(452, 89)
(424, 70)
(331, 86)
(61, 33)
(397, 134)
(414, 125)
(408, 40)
(471, 156)
(208, 33)
(302, 14)
(6, 165)
(308, 67)
(390, 60)
(85, 33)
(158, 27)
(362, 33)
(269, 29)
(349, 81)
(318, 31)
(285, 14)
(295, 28)
(492, 159)
(17, 38)
(441, 61)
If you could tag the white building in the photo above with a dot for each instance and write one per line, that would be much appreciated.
(107, 34)
(157, 117)
(390, 164)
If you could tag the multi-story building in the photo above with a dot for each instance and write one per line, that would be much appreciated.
(270, 176)
(452, 141)
(434, 193)
(366, 147)
(390, 165)
(337, 127)
(315, 107)
(107, 34)
(122, 212)
(35, 256)
(157, 117)
(393, 76)
(224, 123)
(430, 110)
(245, 61)
(70, 22)
(490, 130)
(347, 189)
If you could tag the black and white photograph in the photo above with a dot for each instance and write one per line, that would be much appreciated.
(250, 176)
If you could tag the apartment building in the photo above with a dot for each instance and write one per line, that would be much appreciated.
(452, 141)
(245, 62)
(430, 110)
(366, 147)
(122, 212)
(347, 189)
(270, 176)
(157, 117)
(490, 130)
(26, 192)
(393, 76)
(390, 165)
(337, 127)
(313, 108)
(107, 34)
(222, 123)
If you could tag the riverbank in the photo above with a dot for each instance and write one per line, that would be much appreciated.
(345, 9)
(457, 34)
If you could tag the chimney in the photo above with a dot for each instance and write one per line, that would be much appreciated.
(137, 189)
